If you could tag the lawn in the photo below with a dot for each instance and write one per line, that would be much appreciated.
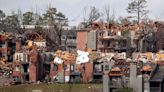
(54, 88)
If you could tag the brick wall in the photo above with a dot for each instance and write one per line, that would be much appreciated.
(82, 40)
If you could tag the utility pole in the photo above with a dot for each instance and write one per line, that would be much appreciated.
(106, 80)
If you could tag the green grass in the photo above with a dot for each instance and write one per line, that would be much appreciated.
(125, 90)
(52, 88)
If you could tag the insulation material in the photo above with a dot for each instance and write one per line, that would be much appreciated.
(58, 60)
(78, 67)
(159, 57)
(30, 44)
(68, 57)
(82, 57)
(149, 56)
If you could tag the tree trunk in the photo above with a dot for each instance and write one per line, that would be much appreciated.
(138, 13)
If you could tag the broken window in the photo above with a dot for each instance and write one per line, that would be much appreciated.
(106, 67)
(73, 68)
(48, 57)
(109, 33)
(63, 37)
(26, 68)
(47, 68)
(10, 58)
(2, 44)
(0, 54)
(106, 44)
(17, 57)
(97, 67)
(74, 37)
(154, 84)
(55, 67)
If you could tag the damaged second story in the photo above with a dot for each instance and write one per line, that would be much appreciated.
(129, 38)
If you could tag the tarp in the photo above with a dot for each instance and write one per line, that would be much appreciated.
(58, 60)
(82, 57)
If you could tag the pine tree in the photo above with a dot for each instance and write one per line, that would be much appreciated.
(138, 7)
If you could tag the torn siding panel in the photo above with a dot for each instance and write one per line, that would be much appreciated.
(92, 40)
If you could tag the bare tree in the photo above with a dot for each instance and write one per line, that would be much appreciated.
(109, 16)
(55, 20)
(2, 16)
(161, 16)
(124, 20)
(138, 7)
(85, 14)
(94, 14)
(91, 15)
